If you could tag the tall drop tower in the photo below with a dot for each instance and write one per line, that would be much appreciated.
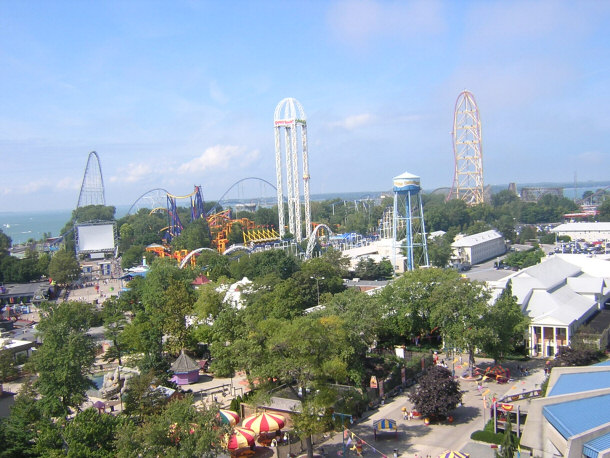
(468, 178)
(409, 230)
(290, 118)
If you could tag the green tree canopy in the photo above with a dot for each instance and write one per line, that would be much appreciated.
(63, 267)
(66, 354)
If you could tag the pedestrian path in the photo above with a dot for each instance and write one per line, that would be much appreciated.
(415, 439)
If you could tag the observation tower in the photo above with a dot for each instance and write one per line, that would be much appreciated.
(408, 228)
(468, 177)
(290, 118)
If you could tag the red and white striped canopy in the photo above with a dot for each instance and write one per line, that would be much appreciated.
(264, 422)
(240, 438)
(228, 417)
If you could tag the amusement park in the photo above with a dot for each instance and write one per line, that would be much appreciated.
(266, 322)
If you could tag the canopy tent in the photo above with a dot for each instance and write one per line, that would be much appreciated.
(497, 372)
(453, 454)
(385, 425)
(240, 438)
(264, 422)
(228, 417)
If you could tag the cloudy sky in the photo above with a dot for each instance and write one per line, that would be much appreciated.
(172, 94)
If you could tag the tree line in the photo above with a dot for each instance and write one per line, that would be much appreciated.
(270, 335)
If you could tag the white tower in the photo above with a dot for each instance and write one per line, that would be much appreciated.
(468, 177)
(290, 117)
(409, 230)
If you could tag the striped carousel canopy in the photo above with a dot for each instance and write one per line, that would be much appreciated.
(264, 422)
(240, 438)
(228, 417)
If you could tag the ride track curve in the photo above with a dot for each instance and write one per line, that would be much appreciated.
(219, 201)
(151, 192)
(311, 240)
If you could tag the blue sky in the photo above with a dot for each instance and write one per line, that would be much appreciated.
(172, 94)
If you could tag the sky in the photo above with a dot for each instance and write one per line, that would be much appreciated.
(182, 93)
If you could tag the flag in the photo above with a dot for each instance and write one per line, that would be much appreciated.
(349, 442)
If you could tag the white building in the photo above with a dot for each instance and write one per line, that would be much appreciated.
(559, 295)
(473, 249)
(589, 232)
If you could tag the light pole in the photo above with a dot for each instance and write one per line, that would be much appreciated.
(317, 286)
(343, 416)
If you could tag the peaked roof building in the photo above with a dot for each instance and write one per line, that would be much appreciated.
(559, 295)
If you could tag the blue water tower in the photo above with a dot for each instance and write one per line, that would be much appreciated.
(408, 228)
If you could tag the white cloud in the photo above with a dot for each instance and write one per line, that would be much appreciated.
(219, 157)
(68, 184)
(132, 173)
(354, 121)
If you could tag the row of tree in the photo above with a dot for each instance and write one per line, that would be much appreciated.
(267, 335)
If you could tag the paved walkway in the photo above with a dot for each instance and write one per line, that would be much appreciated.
(415, 439)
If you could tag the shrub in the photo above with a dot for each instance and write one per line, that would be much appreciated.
(487, 436)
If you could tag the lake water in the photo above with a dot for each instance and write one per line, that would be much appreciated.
(21, 227)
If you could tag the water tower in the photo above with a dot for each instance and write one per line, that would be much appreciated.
(409, 230)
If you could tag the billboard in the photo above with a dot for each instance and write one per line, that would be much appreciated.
(95, 238)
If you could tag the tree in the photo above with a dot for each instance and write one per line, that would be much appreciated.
(439, 249)
(437, 394)
(195, 235)
(368, 269)
(63, 267)
(140, 399)
(7, 365)
(20, 428)
(114, 318)
(509, 441)
(89, 433)
(459, 312)
(305, 354)
(179, 300)
(410, 300)
(132, 256)
(264, 263)
(523, 259)
(506, 324)
(66, 354)
(5, 243)
(604, 210)
(575, 357)
(179, 430)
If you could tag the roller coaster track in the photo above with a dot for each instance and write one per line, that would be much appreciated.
(219, 202)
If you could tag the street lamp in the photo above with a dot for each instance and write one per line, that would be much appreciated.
(343, 416)
(317, 286)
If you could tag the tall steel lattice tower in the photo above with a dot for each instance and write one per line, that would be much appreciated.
(92, 189)
(408, 228)
(290, 117)
(468, 178)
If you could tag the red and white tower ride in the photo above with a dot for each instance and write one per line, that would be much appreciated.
(468, 178)
(290, 118)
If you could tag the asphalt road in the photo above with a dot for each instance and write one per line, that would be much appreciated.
(415, 439)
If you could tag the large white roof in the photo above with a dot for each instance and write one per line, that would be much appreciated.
(475, 239)
(557, 291)
(579, 227)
